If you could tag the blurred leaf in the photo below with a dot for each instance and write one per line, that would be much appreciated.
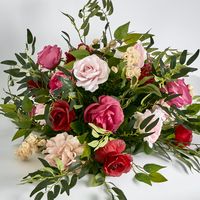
(150, 168)
(183, 57)
(29, 37)
(122, 31)
(39, 196)
(157, 177)
(146, 121)
(21, 133)
(79, 54)
(193, 58)
(9, 62)
(27, 104)
(143, 178)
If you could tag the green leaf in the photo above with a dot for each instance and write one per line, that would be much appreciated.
(27, 104)
(39, 196)
(183, 57)
(20, 59)
(15, 72)
(94, 143)
(148, 150)
(86, 152)
(173, 62)
(79, 54)
(40, 186)
(29, 37)
(95, 134)
(21, 133)
(59, 164)
(33, 46)
(132, 38)
(193, 58)
(157, 177)
(86, 30)
(152, 125)
(194, 108)
(65, 187)
(119, 193)
(97, 180)
(73, 181)
(122, 31)
(151, 168)
(50, 195)
(77, 127)
(146, 121)
(143, 178)
(9, 62)
(56, 190)
(98, 129)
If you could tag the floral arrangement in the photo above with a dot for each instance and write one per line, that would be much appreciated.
(92, 109)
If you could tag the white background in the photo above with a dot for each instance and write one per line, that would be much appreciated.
(175, 24)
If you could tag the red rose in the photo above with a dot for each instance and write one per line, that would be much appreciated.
(34, 84)
(60, 116)
(69, 57)
(114, 161)
(107, 113)
(146, 70)
(183, 135)
(117, 164)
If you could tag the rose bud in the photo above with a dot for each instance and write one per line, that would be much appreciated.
(49, 57)
(146, 71)
(83, 46)
(69, 57)
(183, 135)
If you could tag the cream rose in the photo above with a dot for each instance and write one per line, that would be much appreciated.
(90, 72)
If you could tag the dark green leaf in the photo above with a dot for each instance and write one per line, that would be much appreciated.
(147, 149)
(9, 62)
(120, 193)
(20, 59)
(65, 187)
(146, 121)
(170, 97)
(157, 177)
(20, 133)
(15, 72)
(39, 196)
(29, 37)
(151, 126)
(143, 178)
(86, 30)
(44, 162)
(73, 181)
(122, 31)
(194, 108)
(183, 57)
(50, 195)
(193, 58)
(151, 168)
(173, 62)
(33, 46)
(56, 190)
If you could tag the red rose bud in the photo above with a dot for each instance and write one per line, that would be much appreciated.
(146, 70)
(183, 135)
(114, 161)
(34, 84)
(60, 116)
(69, 57)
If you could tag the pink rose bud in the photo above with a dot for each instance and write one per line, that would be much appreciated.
(49, 57)
(178, 87)
(106, 114)
(55, 83)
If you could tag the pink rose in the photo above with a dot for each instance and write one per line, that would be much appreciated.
(55, 83)
(178, 87)
(39, 109)
(90, 72)
(49, 57)
(106, 114)
(156, 130)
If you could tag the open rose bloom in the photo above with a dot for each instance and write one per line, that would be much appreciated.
(100, 103)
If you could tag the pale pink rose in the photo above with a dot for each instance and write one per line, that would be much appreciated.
(107, 113)
(178, 87)
(159, 114)
(64, 147)
(55, 83)
(49, 57)
(142, 52)
(90, 72)
(39, 109)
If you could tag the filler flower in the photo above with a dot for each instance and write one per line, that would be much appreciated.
(61, 116)
(49, 57)
(106, 114)
(178, 87)
(114, 161)
(64, 147)
(90, 72)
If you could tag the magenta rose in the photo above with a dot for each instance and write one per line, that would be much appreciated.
(178, 87)
(49, 57)
(114, 161)
(55, 83)
(106, 114)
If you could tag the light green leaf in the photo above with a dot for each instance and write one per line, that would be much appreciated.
(157, 177)
(94, 143)
(27, 104)
(59, 164)
(151, 168)
(143, 178)
(79, 54)
(122, 31)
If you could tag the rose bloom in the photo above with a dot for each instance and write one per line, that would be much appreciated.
(183, 135)
(146, 71)
(60, 116)
(178, 87)
(107, 113)
(34, 84)
(55, 83)
(90, 72)
(38, 109)
(49, 57)
(114, 161)
(64, 147)
(156, 130)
